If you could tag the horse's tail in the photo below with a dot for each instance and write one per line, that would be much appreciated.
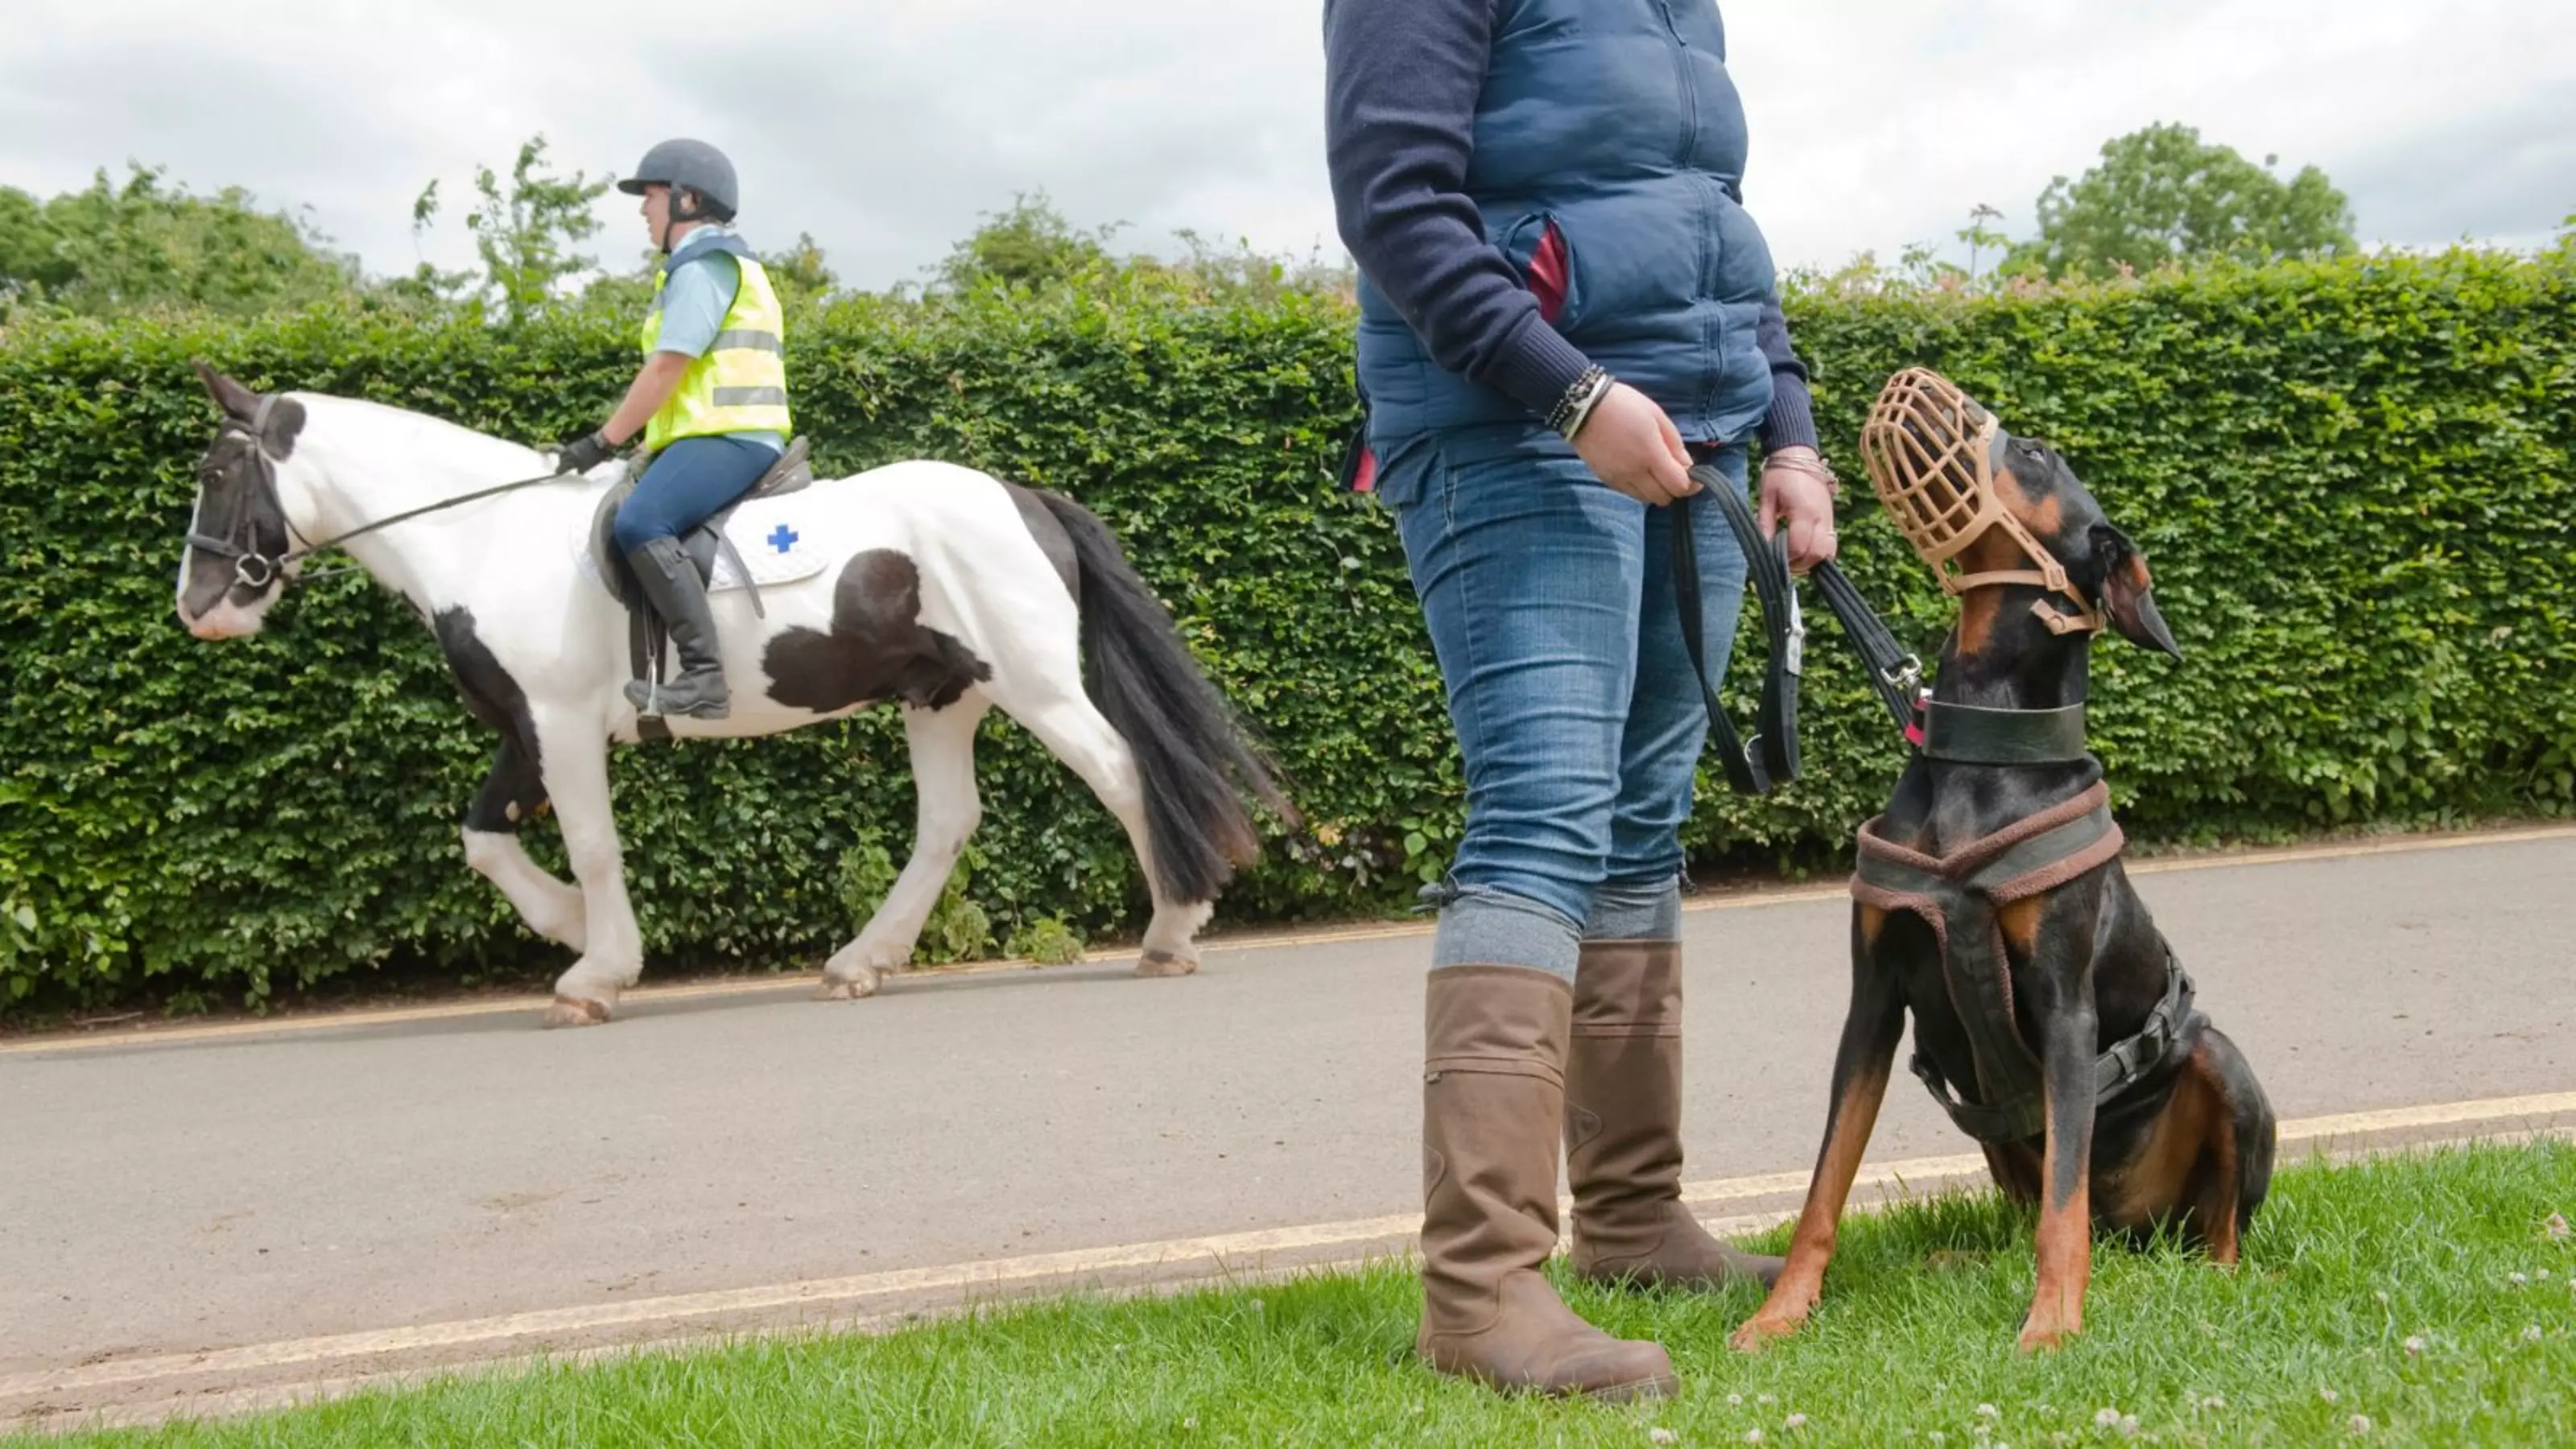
(1196, 758)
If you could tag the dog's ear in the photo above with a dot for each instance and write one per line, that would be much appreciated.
(2128, 591)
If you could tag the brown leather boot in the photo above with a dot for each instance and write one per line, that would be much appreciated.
(1623, 1127)
(1493, 1095)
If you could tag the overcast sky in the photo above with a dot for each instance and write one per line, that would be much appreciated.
(884, 127)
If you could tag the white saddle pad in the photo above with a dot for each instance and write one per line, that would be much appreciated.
(772, 535)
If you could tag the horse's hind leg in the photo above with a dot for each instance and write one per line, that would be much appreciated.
(511, 796)
(947, 811)
(1066, 721)
(574, 749)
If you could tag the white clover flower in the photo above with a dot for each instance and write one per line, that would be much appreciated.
(1799, 1421)
(1989, 1411)
(2361, 1423)
(2414, 1344)
(2105, 1418)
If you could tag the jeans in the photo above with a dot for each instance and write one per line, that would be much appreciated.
(690, 480)
(1549, 599)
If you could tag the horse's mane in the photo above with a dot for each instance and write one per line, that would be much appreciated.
(426, 432)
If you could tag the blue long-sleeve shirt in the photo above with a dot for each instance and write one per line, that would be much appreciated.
(1402, 82)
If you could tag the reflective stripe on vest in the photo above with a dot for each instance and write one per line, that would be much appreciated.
(739, 384)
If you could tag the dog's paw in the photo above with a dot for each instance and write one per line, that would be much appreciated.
(2047, 1335)
(1762, 1330)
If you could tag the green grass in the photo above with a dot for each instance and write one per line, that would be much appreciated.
(2385, 1290)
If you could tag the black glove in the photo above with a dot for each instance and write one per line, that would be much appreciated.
(580, 455)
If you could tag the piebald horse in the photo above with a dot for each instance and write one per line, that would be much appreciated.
(938, 587)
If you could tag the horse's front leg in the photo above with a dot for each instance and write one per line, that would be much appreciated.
(512, 795)
(574, 747)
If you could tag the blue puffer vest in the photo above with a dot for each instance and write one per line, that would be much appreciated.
(1614, 123)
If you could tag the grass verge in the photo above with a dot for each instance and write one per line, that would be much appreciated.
(2429, 1298)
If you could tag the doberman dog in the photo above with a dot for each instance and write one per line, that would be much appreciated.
(2074, 1054)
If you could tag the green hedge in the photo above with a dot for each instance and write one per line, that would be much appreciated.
(2352, 480)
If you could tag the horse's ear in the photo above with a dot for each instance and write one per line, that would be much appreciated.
(235, 399)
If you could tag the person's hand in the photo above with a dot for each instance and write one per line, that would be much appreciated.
(1633, 447)
(580, 455)
(1795, 492)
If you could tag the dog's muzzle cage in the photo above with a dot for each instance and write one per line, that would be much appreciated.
(1931, 453)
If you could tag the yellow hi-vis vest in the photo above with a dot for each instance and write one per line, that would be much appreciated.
(739, 384)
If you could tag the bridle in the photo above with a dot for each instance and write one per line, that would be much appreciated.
(255, 569)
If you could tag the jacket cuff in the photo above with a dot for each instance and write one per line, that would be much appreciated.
(1538, 367)
(1791, 423)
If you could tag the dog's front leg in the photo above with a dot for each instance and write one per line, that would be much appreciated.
(1870, 1032)
(2063, 1006)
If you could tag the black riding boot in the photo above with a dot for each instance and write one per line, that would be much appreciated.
(672, 585)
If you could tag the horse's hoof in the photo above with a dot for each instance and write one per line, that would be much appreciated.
(1164, 963)
(854, 988)
(573, 1011)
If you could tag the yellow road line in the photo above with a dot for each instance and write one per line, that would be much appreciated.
(533, 1003)
(1193, 1256)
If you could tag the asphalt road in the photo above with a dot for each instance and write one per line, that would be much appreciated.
(178, 1194)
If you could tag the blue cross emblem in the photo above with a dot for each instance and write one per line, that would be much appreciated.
(783, 538)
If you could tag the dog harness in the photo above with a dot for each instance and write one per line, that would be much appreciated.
(1959, 894)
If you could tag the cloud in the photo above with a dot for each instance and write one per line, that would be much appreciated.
(884, 128)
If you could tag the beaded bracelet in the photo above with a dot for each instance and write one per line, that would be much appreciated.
(1576, 405)
(1815, 468)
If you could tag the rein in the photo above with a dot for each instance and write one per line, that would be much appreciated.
(253, 569)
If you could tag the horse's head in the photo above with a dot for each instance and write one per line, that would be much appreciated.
(235, 563)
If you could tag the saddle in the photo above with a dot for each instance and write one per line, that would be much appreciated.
(648, 638)
(792, 473)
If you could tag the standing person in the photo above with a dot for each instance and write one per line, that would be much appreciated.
(710, 399)
(1563, 306)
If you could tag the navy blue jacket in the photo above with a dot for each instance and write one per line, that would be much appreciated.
(1533, 186)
